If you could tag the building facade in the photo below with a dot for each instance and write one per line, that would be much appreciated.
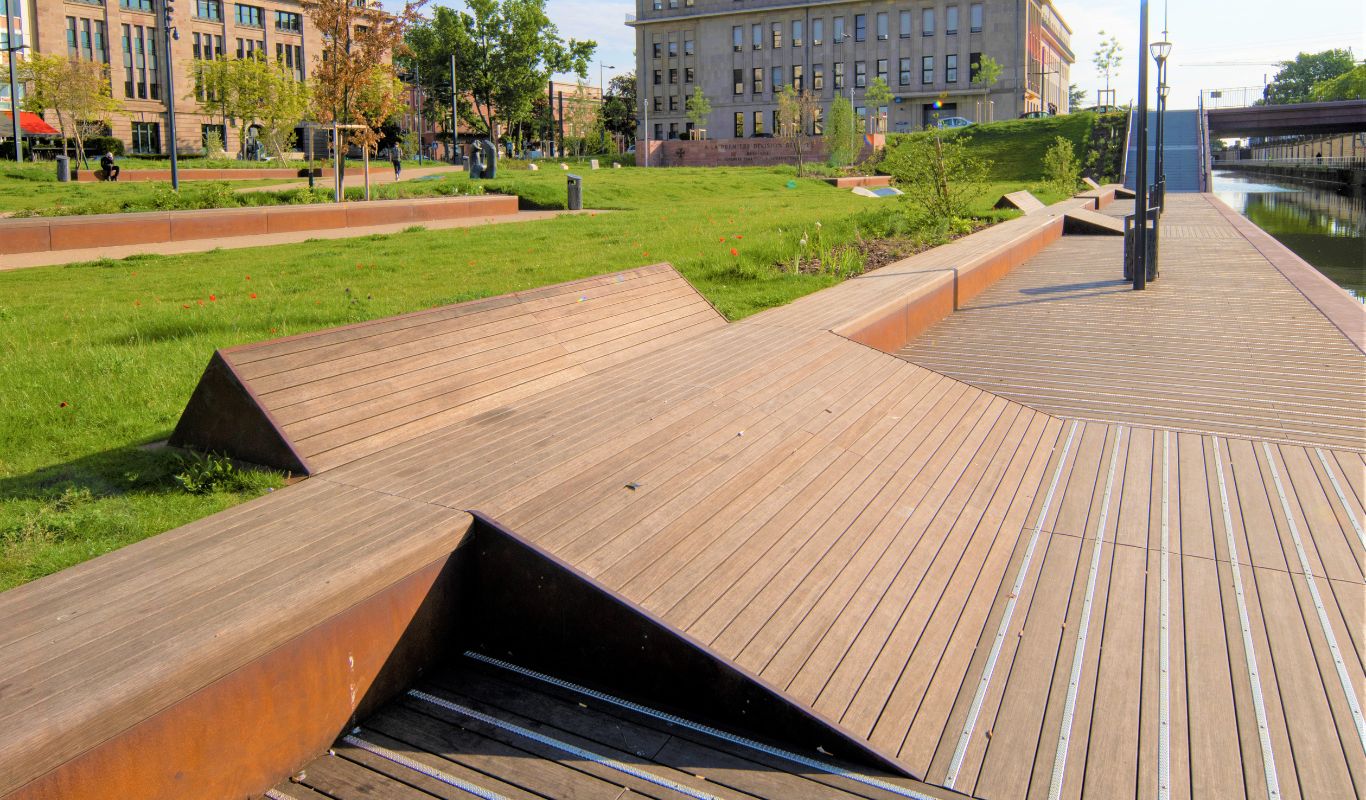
(743, 52)
(126, 36)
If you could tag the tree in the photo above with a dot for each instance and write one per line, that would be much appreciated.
(796, 118)
(505, 50)
(287, 103)
(878, 96)
(1061, 170)
(78, 92)
(1347, 86)
(1076, 97)
(699, 109)
(619, 107)
(1108, 58)
(842, 137)
(1295, 81)
(988, 72)
(938, 173)
(353, 76)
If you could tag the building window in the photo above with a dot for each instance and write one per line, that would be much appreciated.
(658, 77)
(292, 56)
(777, 35)
(818, 77)
(797, 75)
(756, 36)
(289, 22)
(250, 16)
(839, 75)
(739, 124)
(658, 6)
(817, 121)
(904, 72)
(659, 130)
(673, 76)
(927, 69)
(137, 5)
(974, 66)
(656, 49)
(975, 18)
(673, 102)
(140, 80)
(673, 3)
(211, 10)
(951, 20)
(777, 81)
(659, 103)
(777, 122)
(739, 82)
(673, 130)
(758, 123)
(248, 48)
(688, 75)
(688, 47)
(673, 49)
(838, 34)
(951, 68)
(146, 137)
(688, 3)
(860, 74)
(817, 32)
(927, 22)
(72, 47)
(882, 69)
(798, 35)
(905, 22)
(205, 131)
(757, 80)
(737, 38)
(882, 25)
(860, 27)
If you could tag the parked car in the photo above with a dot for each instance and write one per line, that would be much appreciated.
(1035, 115)
(954, 122)
(1104, 109)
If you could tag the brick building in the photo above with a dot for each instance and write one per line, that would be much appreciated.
(742, 52)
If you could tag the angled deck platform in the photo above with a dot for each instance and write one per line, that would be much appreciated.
(1005, 601)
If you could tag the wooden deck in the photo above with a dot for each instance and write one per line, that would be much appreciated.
(1011, 603)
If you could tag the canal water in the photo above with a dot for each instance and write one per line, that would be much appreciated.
(1323, 227)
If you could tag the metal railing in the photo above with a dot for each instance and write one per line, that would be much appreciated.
(1328, 162)
(1203, 149)
(1235, 97)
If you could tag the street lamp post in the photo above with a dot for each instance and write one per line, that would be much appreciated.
(417, 81)
(1160, 51)
(11, 49)
(1140, 242)
(455, 117)
(602, 97)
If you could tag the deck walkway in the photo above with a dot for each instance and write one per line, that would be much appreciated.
(1011, 603)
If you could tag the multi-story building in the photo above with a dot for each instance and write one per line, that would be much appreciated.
(126, 35)
(743, 52)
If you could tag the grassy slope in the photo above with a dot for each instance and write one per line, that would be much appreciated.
(1016, 147)
(99, 358)
(46, 195)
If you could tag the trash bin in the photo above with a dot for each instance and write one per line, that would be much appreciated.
(465, 162)
(575, 193)
(64, 169)
(1130, 221)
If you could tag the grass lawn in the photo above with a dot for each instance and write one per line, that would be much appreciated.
(29, 188)
(98, 359)
(1016, 147)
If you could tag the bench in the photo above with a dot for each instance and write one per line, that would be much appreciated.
(319, 400)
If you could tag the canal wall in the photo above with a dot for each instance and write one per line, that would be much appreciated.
(1349, 176)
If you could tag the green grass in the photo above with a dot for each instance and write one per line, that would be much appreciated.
(98, 359)
(27, 190)
(1016, 147)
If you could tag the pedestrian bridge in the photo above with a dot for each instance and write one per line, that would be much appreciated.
(1342, 116)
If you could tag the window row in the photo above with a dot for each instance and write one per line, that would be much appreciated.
(689, 75)
(659, 49)
(779, 76)
(774, 31)
(87, 40)
(660, 4)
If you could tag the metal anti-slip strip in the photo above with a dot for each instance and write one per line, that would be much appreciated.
(276, 794)
(1079, 652)
(573, 750)
(1327, 626)
(1273, 787)
(1342, 496)
(787, 755)
(1164, 695)
(417, 766)
(979, 697)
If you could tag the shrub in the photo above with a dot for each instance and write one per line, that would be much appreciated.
(207, 473)
(104, 144)
(1061, 170)
(939, 174)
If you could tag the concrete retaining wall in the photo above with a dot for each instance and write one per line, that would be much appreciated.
(40, 234)
(736, 152)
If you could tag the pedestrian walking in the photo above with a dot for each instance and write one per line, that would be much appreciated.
(111, 170)
(396, 157)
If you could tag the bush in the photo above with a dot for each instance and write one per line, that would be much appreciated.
(208, 473)
(99, 145)
(1061, 170)
(939, 174)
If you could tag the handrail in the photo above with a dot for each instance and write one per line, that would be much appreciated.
(1203, 142)
(1128, 133)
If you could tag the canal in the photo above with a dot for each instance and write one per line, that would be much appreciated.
(1323, 227)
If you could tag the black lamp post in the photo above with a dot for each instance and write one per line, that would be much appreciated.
(12, 50)
(1160, 51)
(1140, 239)
(170, 34)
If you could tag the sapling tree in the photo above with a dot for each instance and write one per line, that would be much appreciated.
(796, 118)
(699, 108)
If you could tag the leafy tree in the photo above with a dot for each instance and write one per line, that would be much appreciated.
(505, 51)
(939, 174)
(878, 95)
(699, 108)
(251, 91)
(1076, 97)
(78, 92)
(1347, 86)
(619, 107)
(353, 77)
(796, 118)
(1061, 170)
(1295, 81)
(842, 137)
(1108, 58)
(988, 72)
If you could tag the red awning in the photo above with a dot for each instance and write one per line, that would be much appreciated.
(31, 124)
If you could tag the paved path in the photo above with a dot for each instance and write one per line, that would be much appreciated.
(43, 259)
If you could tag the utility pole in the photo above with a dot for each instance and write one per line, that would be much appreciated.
(455, 117)
(1140, 243)
(169, 33)
(12, 50)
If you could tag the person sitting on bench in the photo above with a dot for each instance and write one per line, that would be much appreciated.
(111, 170)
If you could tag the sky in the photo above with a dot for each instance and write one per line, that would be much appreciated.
(1215, 44)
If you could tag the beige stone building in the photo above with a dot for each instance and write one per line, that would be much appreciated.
(742, 52)
(126, 35)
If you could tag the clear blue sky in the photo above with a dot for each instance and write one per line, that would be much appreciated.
(1244, 37)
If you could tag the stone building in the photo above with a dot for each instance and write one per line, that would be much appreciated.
(126, 35)
(742, 52)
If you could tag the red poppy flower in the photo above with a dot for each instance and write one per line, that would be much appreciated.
(738, 236)
(722, 240)
(182, 305)
(734, 252)
(248, 277)
(253, 295)
(62, 405)
(213, 298)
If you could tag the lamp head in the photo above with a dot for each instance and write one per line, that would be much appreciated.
(1163, 90)
(1160, 50)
